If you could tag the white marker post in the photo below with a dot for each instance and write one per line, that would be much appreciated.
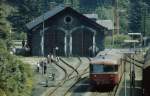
(132, 69)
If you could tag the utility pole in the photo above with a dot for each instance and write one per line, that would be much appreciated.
(115, 20)
(42, 43)
(144, 21)
(43, 27)
(145, 17)
(116, 17)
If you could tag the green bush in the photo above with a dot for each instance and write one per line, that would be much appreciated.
(3, 46)
(108, 42)
(15, 76)
(2, 93)
(118, 41)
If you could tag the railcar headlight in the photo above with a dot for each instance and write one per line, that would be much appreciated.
(111, 75)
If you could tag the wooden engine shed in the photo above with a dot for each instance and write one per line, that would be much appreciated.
(64, 32)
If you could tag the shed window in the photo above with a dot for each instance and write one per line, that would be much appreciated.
(68, 19)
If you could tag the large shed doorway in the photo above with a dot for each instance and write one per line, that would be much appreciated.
(82, 42)
(54, 42)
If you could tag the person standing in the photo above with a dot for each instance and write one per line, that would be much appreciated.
(44, 67)
(41, 66)
(23, 43)
(49, 59)
(38, 67)
(52, 58)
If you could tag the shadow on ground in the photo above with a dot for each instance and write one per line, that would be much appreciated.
(84, 86)
(135, 92)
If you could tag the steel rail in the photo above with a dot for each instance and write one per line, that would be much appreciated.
(62, 83)
(134, 63)
(79, 78)
(74, 69)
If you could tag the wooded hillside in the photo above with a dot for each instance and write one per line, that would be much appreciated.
(20, 12)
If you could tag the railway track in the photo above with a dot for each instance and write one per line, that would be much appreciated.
(80, 78)
(136, 62)
(65, 71)
(67, 77)
(74, 69)
(60, 83)
(140, 62)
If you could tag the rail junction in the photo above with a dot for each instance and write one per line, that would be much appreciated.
(72, 79)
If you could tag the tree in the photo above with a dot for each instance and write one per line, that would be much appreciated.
(105, 13)
(76, 4)
(4, 23)
(135, 16)
(146, 17)
(123, 15)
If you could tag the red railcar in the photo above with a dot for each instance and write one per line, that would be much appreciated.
(106, 69)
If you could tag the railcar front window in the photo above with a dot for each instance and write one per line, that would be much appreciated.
(108, 68)
(97, 68)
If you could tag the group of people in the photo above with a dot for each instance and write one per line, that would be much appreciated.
(42, 65)
(51, 58)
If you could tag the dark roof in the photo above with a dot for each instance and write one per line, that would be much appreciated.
(45, 16)
(52, 13)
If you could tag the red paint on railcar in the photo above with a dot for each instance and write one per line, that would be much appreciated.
(106, 70)
(102, 79)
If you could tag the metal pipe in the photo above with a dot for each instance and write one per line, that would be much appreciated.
(125, 83)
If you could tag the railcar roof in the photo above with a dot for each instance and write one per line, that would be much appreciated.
(102, 73)
(110, 52)
(104, 60)
(108, 57)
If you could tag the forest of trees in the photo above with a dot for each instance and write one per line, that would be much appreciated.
(20, 12)
(15, 76)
